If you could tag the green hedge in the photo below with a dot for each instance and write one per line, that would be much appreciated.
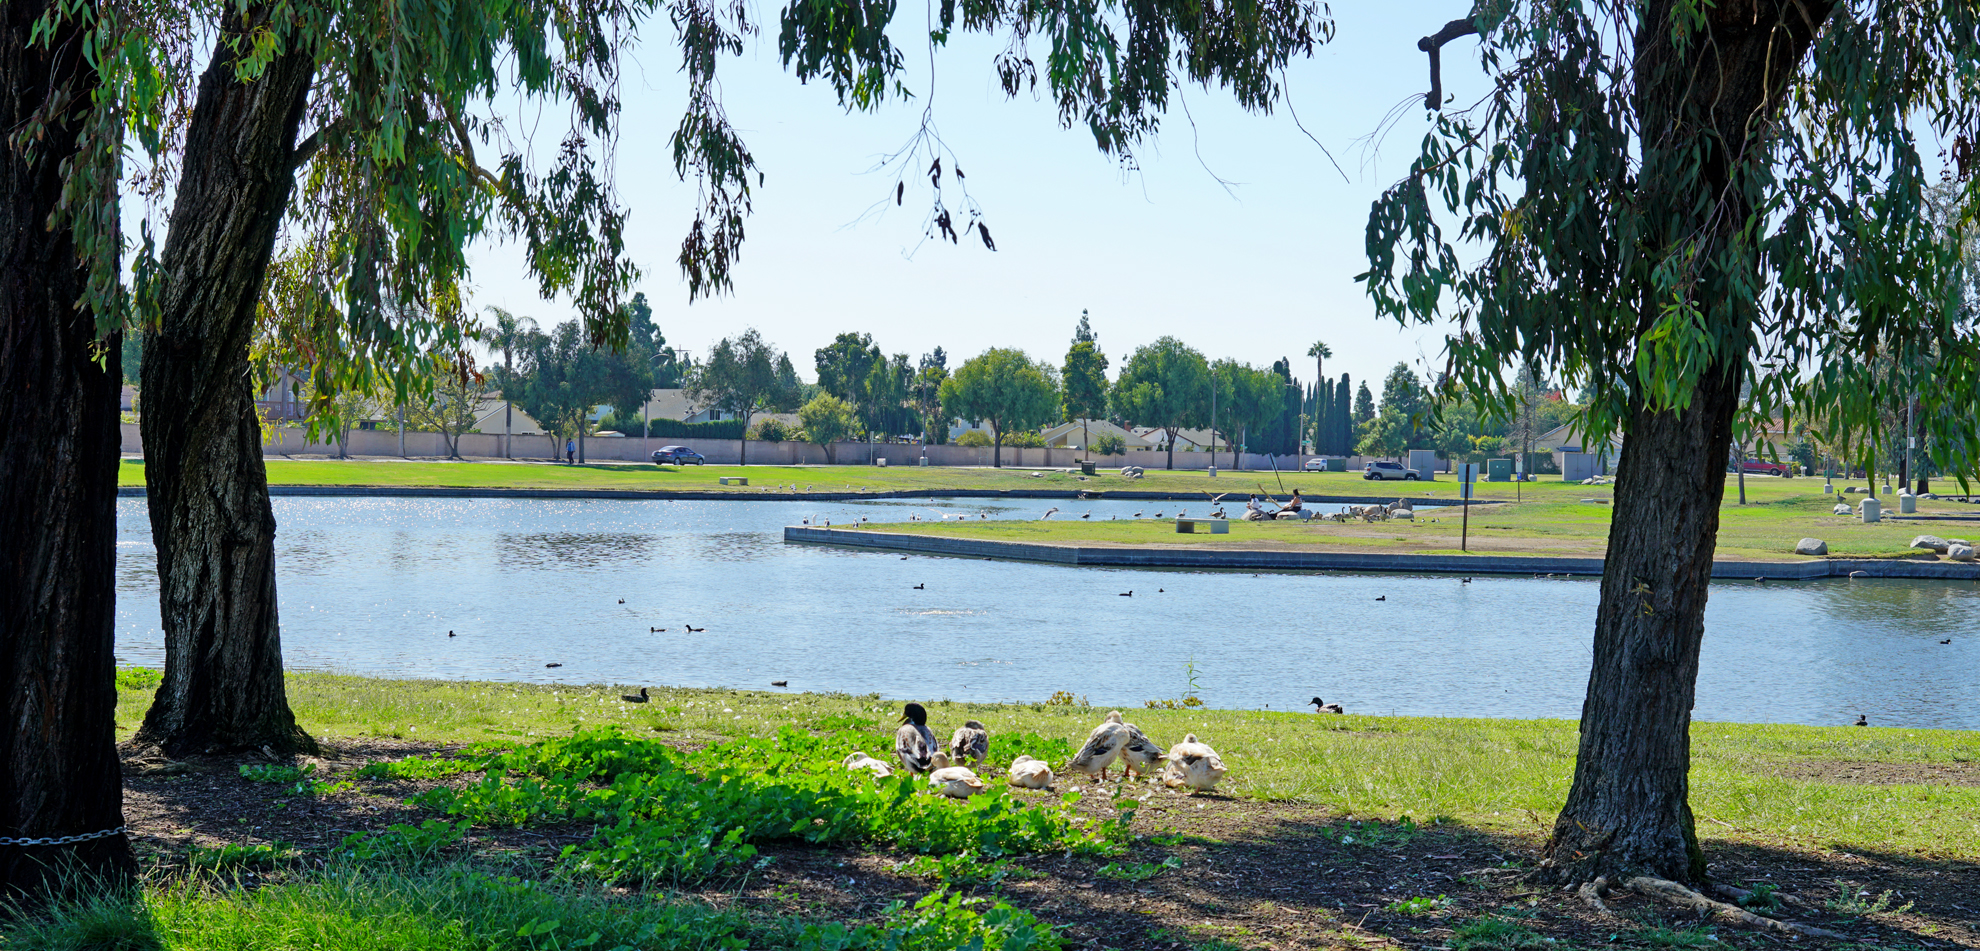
(675, 429)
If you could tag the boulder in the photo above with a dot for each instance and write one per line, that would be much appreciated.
(1960, 553)
(1851, 490)
(1811, 546)
(1931, 543)
(1842, 508)
(1403, 513)
(1957, 541)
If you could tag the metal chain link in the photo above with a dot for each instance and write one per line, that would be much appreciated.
(64, 839)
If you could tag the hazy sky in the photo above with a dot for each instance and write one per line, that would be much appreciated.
(1254, 273)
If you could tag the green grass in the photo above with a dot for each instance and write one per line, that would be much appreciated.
(1509, 775)
(1767, 528)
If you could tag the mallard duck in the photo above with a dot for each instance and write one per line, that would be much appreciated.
(970, 744)
(1031, 773)
(955, 782)
(913, 744)
(1141, 754)
(1103, 747)
(859, 760)
(1194, 765)
(1321, 706)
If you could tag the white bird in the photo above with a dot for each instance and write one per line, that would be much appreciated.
(955, 782)
(913, 744)
(859, 760)
(1103, 747)
(1048, 513)
(1031, 773)
(970, 744)
(1194, 765)
(1141, 754)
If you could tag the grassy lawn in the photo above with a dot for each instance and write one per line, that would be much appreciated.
(875, 479)
(1767, 528)
(721, 819)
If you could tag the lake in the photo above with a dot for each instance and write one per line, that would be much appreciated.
(372, 586)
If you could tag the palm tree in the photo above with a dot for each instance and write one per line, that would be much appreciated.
(510, 331)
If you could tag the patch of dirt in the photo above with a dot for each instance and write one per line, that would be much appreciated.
(1883, 774)
(1220, 872)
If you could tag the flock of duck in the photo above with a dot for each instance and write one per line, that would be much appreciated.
(1190, 764)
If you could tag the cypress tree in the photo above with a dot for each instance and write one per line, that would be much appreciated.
(1344, 418)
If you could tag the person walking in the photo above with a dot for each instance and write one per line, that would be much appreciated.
(570, 452)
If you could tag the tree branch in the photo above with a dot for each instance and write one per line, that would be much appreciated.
(1434, 43)
(307, 148)
(1673, 892)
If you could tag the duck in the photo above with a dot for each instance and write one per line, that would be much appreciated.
(640, 697)
(1103, 747)
(1325, 707)
(780, 683)
(1141, 754)
(1194, 765)
(955, 782)
(970, 744)
(913, 744)
(859, 760)
(1030, 773)
(1862, 720)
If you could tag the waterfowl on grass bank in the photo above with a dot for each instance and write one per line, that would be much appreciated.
(859, 760)
(914, 745)
(955, 782)
(1325, 707)
(641, 697)
(1103, 747)
(1194, 766)
(970, 744)
(1030, 773)
(1141, 754)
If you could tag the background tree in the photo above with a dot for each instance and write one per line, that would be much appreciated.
(1165, 384)
(845, 364)
(506, 337)
(557, 391)
(1085, 380)
(1342, 419)
(1385, 436)
(1248, 401)
(1404, 397)
(1006, 388)
(926, 392)
(1674, 199)
(827, 420)
(886, 398)
(451, 409)
(1364, 405)
(744, 378)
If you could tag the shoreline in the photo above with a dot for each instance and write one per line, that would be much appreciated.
(743, 495)
(1117, 556)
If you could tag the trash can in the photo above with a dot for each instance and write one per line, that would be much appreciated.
(1088, 467)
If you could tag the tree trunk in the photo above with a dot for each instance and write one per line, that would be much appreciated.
(1699, 104)
(58, 497)
(210, 516)
(742, 445)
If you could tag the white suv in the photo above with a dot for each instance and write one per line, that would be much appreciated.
(1388, 470)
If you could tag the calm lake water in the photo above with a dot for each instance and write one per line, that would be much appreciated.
(373, 586)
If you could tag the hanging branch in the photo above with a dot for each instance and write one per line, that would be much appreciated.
(1432, 44)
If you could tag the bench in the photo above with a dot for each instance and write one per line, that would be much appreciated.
(1213, 526)
(734, 480)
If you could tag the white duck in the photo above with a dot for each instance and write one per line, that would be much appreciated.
(1103, 747)
(859, 760)
(1141, 754)
(955, 782)
(914, 745)
(1031, 773)
(970, 744)
(1194, 765)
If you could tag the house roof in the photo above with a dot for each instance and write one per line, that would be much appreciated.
(488, 419)
(1092, 428)
(1200, 438)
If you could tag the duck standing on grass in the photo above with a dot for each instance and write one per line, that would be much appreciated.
(970, 744)
(1103, 747)
(913, 743)
(1193, 765)
(955, 782)
(1030, 773)
(859, 760)
(1141, 754)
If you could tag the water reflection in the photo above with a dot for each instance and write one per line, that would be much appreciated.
(373, 586)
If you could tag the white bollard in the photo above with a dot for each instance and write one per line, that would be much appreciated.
(1873, 511)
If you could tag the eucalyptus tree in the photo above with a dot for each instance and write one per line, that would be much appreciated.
(743, 378)
(1006, 388)
(1165, 384)
(1662, 202)
(389, 186)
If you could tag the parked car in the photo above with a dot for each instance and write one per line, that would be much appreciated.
(1387, 470)
(678, 455)
(1315, 465)
(1762, 467)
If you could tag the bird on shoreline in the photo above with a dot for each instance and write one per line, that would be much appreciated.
(1141, 753)
(1103, 746)
(859, 760)
(1193, 764)
(641, 697)
(1029, 773)
(1862, 720)
(914, 745)
(1325, 707)
(955, 782)
(970, 745)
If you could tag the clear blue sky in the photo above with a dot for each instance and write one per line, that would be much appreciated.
(1254, 274)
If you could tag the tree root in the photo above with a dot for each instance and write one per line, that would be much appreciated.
(1680, 895)
(1592, 892)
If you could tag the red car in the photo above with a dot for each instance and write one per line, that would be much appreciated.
(1761, 467)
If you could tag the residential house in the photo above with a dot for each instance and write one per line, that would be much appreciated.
(1069, 435)
(1568, 438)
(1198, 440)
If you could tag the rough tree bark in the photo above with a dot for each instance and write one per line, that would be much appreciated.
(1627, 811)
(58, 496)
(208, 490)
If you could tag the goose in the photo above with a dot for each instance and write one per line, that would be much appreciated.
(913, 744)
(1194, 765)
(970, 744)
(955, 782)
(1325, 707)
(640, 698)
(1030, 773)
(1141, 753)
(859, 760)
(1103, 747)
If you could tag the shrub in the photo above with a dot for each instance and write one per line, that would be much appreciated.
(974, 439)
(1108, 444)
(675, 429)
(1024, 439)
(138, 678)
(771, 430)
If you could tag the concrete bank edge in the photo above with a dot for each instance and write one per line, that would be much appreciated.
(690, 495)
(1349, 561)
